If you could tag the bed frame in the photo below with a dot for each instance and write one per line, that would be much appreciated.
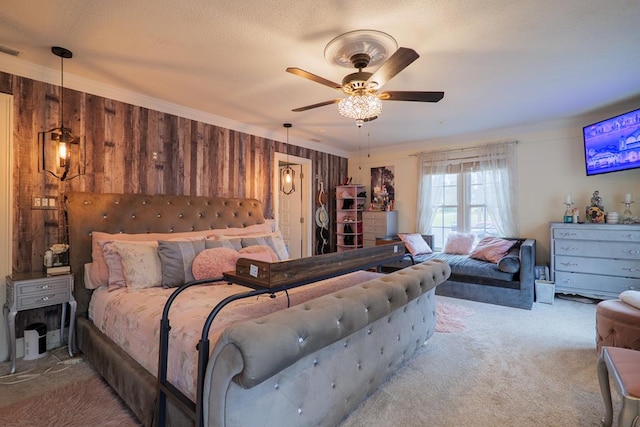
(256, 366)
(133, 213)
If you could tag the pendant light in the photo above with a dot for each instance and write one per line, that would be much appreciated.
(61, 152)
(287, 175)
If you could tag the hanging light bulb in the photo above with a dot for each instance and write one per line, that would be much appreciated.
(287, 175)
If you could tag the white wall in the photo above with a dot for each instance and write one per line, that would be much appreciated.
(550, 166)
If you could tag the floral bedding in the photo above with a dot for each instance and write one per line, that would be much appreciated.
(131, 318)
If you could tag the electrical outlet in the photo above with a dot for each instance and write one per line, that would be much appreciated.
(52, 202)
(45, 202)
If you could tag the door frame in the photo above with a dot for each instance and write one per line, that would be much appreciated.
(307, 195)
(6, 207)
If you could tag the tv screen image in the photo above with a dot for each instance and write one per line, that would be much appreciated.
(613, 144)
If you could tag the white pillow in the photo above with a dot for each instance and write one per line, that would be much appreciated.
(140, 263)
(632, 298)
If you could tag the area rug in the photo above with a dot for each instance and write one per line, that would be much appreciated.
(450, 317)
(86, 403)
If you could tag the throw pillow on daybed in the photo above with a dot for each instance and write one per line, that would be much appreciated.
(491, 249)
(415, 243)
(459, 243)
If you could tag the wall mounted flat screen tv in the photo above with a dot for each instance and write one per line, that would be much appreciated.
(613, 144)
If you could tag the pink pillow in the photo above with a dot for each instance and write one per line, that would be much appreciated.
(114, 265)
(259, 252)
(415, 244)
(492, 249)
(213, 262)
(459, 243)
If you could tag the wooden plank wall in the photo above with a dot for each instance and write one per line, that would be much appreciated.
(193, 158)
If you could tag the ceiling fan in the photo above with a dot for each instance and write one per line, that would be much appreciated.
(361, 49)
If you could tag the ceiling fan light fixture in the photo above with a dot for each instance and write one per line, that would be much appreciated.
(376, 45)
(360, 107)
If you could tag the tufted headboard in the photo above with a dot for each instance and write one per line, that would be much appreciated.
(134, 213)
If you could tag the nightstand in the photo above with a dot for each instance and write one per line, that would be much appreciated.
(35, 290)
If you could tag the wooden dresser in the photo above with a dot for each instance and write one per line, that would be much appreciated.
(378, 224)
(595, 260)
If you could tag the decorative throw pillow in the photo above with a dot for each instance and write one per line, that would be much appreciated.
(234, 243)
(259, 252)
(491, 249)
(140, 264)
(415, 243)
(211, 263)
(266, 227)
(99, 271)
(509, 264)
(116, 279)
(176, 258)
(631, 297)
(459, 243)
(273, 240)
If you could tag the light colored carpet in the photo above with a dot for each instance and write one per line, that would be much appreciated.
(485, 366)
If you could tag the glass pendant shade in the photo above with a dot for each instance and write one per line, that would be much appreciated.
(360, 107)
(287, 174)
(61, 153)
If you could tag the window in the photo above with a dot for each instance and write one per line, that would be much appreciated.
(461, 205)
(469, 190)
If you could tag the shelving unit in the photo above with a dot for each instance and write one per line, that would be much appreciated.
(349, 206)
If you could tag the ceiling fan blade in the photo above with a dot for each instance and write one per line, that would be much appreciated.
(411, 96)
(320, 104)
(309, 76)
(397, 62)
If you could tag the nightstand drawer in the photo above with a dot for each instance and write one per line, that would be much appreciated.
(48, 287)
(43, 299)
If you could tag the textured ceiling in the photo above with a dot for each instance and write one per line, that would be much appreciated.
(501, 63)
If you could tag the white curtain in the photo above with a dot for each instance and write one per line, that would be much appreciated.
(431, 169)
(497, 162)
(498, 165)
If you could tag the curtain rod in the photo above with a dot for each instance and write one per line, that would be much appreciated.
(454, 150)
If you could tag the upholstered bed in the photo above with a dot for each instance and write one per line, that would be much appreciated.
(268, 370)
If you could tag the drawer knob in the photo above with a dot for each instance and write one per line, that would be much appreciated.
(45, 298)
(45, 287)
(631, 269)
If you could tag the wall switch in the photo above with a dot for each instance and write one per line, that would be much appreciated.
(52, 202)
(45, 202)
(36, 202)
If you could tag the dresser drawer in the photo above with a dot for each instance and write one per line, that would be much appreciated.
(617, 250)
(378, 230)
(50, 286)
(609, 286)
(43, 299)
(605, 267)
(587, 233)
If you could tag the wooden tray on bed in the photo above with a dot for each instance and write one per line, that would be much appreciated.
(276, 275)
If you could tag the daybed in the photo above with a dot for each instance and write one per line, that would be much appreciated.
(309, 364)
(483, 281)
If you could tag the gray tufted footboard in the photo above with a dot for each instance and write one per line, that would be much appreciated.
(312, 364)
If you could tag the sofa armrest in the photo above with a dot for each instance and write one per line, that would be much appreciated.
(527, 263)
